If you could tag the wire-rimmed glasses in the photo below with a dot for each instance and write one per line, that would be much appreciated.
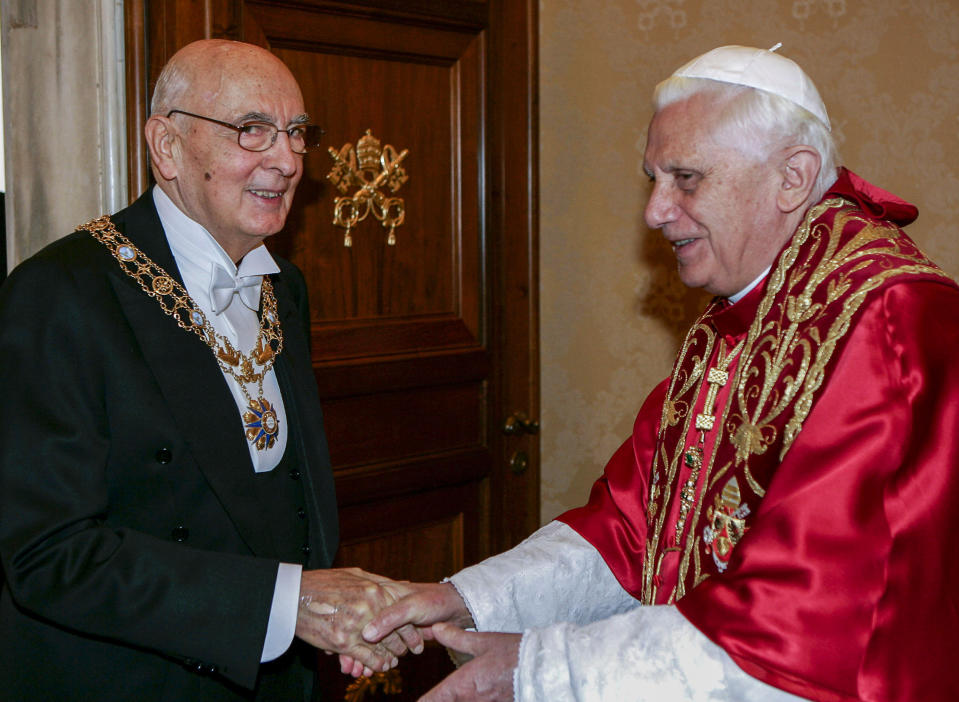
(257, 135)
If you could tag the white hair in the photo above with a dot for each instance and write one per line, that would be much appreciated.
(171, 85)
(760, 121)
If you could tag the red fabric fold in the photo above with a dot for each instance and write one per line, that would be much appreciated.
(844, 585)
(872, 199)
(609, 519)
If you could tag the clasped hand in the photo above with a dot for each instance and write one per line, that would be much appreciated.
(370, 620)
(486, 660)
(336, 604)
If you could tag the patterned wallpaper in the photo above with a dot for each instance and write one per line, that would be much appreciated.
(613, 311)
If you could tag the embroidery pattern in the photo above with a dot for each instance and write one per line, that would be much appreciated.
(725, 524)
(835, 259)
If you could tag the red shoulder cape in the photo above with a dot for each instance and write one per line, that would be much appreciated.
(844, 586)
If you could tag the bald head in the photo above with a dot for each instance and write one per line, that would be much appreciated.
(197, 74)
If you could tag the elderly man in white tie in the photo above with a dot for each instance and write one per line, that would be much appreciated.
(168, 514)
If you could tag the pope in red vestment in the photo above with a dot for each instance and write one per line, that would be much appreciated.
(818, 548)
(784, 513)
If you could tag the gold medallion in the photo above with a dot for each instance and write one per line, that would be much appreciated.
(262, 424)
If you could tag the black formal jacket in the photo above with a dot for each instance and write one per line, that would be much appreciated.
(138, 561)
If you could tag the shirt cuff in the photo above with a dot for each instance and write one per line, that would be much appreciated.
(282, 625)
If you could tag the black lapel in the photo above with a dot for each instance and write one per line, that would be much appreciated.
(300, 397)
(191, 382)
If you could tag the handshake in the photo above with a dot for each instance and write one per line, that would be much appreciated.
(370, 621)
(338, 606)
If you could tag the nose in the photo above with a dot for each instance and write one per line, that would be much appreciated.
(281, 157)
(661, 208)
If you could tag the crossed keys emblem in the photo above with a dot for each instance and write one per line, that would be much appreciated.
(369, 168)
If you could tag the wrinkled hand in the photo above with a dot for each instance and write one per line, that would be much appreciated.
(422, 604)
(419, 605)
(336, 604)
(488, 677)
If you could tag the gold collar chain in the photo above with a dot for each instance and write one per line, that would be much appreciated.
(261, 423)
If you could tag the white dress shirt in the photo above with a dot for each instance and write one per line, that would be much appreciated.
(197, 254)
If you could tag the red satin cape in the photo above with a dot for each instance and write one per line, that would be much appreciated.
(845, 586)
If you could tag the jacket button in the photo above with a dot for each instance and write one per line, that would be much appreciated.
(301, 513)
(180, 534)
(198, 667)
(306, 550)
(164, 456)
(295, 474)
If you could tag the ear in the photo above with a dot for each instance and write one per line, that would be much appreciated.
(799, 172)
(162, 142)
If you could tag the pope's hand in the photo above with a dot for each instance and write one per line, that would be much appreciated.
(421, 605)
(488, 677)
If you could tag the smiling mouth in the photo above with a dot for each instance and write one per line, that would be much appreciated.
(681, 243)
(268, 194)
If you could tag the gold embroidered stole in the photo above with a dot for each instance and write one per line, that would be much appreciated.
(834, 261)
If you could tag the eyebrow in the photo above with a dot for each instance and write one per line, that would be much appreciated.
(673, 167)
(263, 117)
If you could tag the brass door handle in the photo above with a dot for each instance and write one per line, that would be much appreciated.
(518, 423)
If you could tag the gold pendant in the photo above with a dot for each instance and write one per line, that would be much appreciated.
(262, 425)
(229, 356)
(263, 352)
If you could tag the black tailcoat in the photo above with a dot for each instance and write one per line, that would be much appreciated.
(138, 561)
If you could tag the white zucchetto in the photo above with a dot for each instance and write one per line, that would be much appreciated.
(762, 69)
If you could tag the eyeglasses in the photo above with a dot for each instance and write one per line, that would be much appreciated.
(260, 136)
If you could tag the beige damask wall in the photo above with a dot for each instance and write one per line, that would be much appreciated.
(613, 311)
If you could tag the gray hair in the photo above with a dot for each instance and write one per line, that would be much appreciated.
(171, 85)
(749, 112)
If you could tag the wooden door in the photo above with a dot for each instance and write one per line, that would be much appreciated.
(422, 349)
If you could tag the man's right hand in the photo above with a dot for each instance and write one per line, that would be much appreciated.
(421, 605)
(336, 604)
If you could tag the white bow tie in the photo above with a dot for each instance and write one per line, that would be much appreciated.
(223, 285)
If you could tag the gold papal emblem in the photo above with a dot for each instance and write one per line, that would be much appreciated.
(725, 524)
(372, 169)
